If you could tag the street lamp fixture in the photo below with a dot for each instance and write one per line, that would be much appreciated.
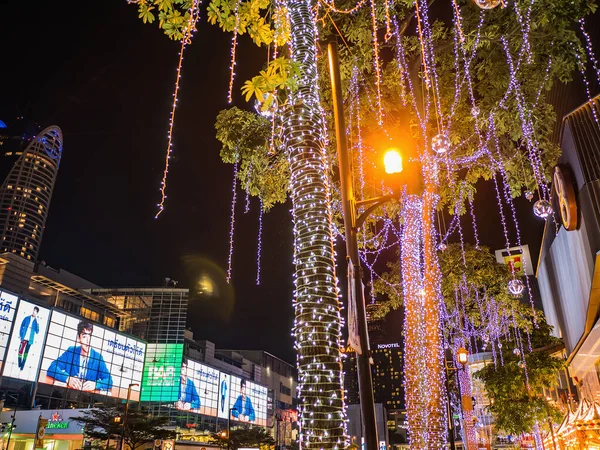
(462, 356)
(392, 161)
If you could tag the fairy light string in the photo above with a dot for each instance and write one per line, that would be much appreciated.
(232, 223)
(234, 42)
(188, 33)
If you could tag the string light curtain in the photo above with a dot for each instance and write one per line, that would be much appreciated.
(317, 324)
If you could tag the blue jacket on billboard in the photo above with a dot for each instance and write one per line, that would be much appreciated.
(35, 329)
(69, 365)
(247, 409)
(190, 395)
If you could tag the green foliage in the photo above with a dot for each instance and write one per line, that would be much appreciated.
(518, 401)
(478, 270)
(246, 140)
(243, 438)
(141, 427)
(280, 75)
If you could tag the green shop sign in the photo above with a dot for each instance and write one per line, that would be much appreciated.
(57, 425)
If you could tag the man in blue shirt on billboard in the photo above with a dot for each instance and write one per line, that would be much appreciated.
(243, 409)
(29, 328)
(188, 394)
(80, 366)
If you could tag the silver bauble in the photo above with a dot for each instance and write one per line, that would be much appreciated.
(542, 208)
(516, 286)
(516, 351)
(487, 4)
(475, 111)
(529, 195)
(442, 247)
(440, 144)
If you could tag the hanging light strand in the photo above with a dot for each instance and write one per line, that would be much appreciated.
(188, 33)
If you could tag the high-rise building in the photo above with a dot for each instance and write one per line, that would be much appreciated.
(26, 191)
(387, 368)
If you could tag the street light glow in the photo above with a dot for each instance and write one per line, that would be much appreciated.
(462, 355)
(392, 161)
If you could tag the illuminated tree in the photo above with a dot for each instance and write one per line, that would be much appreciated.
(476, 84)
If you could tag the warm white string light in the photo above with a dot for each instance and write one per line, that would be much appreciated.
(188, 33)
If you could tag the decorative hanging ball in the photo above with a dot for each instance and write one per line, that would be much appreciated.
(485, 338)
(475, 111)
(516, 286)
(542, 208)
(440, 144)
(499, 344)
(529, 195)
(442, 247)
(516, 351)
(487, 4)
(521, 364)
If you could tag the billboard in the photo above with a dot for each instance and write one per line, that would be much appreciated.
(198, 388)
(518, 259)
(26, 341)
(223, 403)
(162, 372)
(8, 306)
(248, 401)
(82, 355)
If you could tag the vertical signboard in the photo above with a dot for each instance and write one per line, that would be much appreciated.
(248, 401)
(223, 400)
(162, 373)
(26, 341)
(82, 355)
(8, 306)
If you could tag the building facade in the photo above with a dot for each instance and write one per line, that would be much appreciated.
(569, 271)
(26, 192)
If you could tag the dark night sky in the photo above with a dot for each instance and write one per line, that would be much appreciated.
(106, 79)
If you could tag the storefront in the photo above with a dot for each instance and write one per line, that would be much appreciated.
(62, 432)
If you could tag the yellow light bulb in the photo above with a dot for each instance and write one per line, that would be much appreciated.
(392, 161)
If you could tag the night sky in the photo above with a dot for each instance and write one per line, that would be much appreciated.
(106, 79)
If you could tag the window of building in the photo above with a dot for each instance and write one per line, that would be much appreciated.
(89, 314)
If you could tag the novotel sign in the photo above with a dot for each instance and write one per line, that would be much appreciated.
(384, 346)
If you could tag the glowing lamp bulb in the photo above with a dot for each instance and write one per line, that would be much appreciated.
(392, 161)
(462, 355)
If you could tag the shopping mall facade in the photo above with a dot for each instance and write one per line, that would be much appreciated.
(67, 345)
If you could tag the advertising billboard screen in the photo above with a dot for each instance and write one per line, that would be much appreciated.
(26, 341)
(248, 401)
(162, 372)
(223, 400)
(198, 388)
(8, 306)
(82, 355)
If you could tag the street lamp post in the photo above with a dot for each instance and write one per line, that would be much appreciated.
(126, 414)
(12, 422)
(229, 428)
(462, 357)
(352, 223)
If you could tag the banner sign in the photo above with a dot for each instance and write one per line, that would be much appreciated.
(82, 355)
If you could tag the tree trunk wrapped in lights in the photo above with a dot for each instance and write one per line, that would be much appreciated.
(317, 322)
(435, 372)
(414, 335)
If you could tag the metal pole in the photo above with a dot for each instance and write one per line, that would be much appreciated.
(12, 423)
(126, 413)
(367, 402)
(450, 418)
